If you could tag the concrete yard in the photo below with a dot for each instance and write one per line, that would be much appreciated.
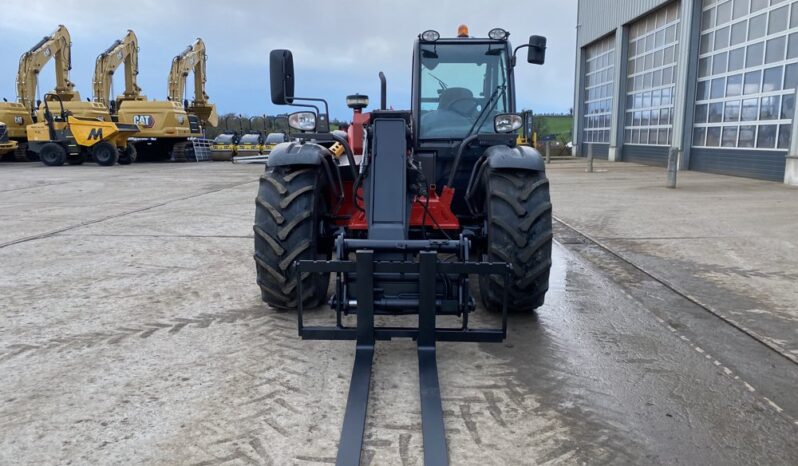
(729, 243)
(132, 332)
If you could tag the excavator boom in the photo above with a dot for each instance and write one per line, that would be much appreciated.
(56, 45)
(125, 50)
(192, 60)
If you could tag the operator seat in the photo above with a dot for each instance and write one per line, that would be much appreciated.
(457, 99)
(455, 109)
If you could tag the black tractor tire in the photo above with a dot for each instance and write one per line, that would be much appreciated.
(76, 159)
(53, 154)
(104, 153)
(129, 155)
(519, 232)
(288, 213)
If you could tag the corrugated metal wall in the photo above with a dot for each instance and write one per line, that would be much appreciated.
(763, 164)
(599, 17)
(647, 155)
(600, 151)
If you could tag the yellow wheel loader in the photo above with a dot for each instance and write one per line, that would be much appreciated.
(63, 138)
(526, 134)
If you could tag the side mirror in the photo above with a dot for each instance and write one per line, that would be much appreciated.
(281, 76)
(537, 50)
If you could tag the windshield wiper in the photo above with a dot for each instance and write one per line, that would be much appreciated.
(440, 82)
(490, 105)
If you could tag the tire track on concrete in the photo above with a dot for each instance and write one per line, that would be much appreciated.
(121, 214)
(142, 331)
(277, 419)
(47, 185)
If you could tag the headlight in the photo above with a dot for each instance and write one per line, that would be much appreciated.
(507, 122)
(498, 34)
(303, 121)
(430, 36)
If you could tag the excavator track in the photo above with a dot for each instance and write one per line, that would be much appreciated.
(21, 153)
(183, 152)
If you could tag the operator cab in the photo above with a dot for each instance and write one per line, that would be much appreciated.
(461, 84)
(461, 88)
(463, 101)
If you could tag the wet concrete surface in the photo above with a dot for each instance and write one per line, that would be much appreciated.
(727, 242)
(135, 335)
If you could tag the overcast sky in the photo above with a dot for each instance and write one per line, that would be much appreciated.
(339, 47)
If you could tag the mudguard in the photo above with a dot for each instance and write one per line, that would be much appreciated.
(499, 156)
(295, 153)
(518, 157)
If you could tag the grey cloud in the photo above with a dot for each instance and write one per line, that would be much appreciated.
(338, 46)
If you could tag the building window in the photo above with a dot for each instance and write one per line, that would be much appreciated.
(747, 73)
(599, 76)
(651, 77)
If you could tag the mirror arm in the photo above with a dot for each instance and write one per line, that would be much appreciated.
(318, 111)
(515, 52)
(302, 105)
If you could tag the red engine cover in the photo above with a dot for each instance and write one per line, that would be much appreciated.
(440, 214)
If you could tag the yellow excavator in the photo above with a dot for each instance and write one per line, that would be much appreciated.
(122, 51)
(192, 61)
(18, 115)
(166, 126)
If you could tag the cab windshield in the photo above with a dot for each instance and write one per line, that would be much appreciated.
(462, 87)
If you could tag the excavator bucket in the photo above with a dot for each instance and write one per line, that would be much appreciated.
(206, 113)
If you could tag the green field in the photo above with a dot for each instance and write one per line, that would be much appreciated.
(559, 125)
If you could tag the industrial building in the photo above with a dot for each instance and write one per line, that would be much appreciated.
(714, 80)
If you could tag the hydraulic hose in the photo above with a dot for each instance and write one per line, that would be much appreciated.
(459, 155)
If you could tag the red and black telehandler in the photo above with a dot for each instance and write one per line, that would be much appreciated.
(403, 210)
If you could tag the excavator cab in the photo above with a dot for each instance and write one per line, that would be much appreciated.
(63, 138)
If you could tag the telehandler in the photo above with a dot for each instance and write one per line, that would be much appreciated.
(63, 138)
(404, 211)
